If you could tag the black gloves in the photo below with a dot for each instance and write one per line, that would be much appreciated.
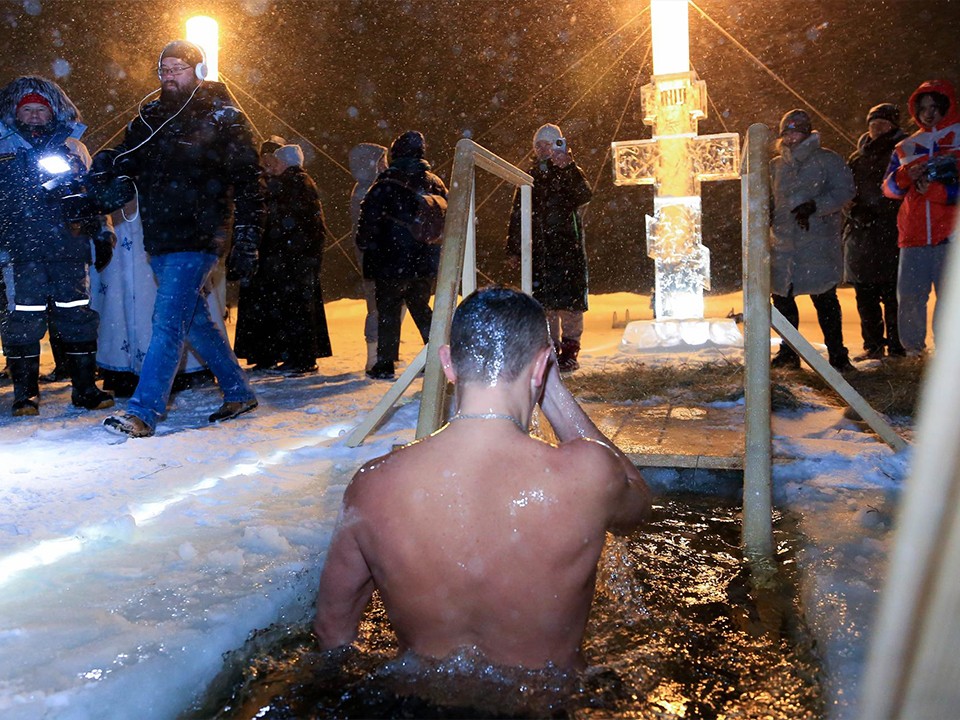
(803, 211)
(103, 245)
(242, 261)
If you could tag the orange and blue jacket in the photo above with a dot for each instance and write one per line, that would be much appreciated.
(925, 218)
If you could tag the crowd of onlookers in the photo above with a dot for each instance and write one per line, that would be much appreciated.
(196, 204)
(882, 222)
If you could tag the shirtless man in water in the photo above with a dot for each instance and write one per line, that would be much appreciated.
(480, 535)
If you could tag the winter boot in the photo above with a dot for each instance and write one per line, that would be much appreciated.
(60, 371)
(381, 370)
(25, 373)
(567, 362)
(82, 361)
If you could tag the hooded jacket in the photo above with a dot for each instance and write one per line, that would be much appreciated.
(195, 166)
(33, 222)
(390, 251)
(809, 261)
(925, 218)
(367, 161)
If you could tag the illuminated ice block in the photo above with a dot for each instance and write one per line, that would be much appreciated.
(675, 161)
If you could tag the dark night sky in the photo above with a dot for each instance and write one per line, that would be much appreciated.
(347, 71)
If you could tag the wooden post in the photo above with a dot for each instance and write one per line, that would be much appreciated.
(755, 213)
(814, 359)
(911, 670)
(526, 239)
(457, 228)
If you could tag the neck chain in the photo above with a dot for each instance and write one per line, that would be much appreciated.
(490, 416)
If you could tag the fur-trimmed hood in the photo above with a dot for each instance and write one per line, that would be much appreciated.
(64, 111)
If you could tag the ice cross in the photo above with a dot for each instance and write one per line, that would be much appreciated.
(675, 161)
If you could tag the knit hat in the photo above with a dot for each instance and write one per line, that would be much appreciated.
(184, 50)
(409, 145)
(271, 144)
(34, 97)
(797, 120)
(289, 155)
(885, 111)
(549, 133)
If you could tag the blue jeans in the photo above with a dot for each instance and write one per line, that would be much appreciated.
(180, 313)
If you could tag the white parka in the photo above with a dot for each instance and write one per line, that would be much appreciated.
(809, 260)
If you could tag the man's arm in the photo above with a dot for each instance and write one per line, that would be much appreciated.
(243, 168)
(631, 504)
(839, 188)
(345, 588)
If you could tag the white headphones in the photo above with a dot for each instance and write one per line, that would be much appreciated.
(200, 69)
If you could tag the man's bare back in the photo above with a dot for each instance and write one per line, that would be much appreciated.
(483, 536)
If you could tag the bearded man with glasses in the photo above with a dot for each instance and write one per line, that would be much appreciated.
(197, 173)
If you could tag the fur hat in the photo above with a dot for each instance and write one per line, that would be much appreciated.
(409, 145)
(549, 133)
(185, 50)
(289, 155)
(798, 120)
(885, 111)
(271, 144)
(13, 92)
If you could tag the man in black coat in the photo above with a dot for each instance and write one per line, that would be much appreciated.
(46, 229)
(402, 266)
(198, 176)
(871, 254)
(560, 275)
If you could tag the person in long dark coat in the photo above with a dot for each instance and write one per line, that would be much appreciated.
(560, 278)
(280, 315)
(871, 254)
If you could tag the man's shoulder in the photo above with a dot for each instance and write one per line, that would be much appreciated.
(589, 450)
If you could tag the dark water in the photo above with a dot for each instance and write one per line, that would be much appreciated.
(676, 632)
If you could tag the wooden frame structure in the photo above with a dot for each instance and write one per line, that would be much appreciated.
(458, 265)
(757, 533)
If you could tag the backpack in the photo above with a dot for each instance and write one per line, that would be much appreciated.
(427, 225)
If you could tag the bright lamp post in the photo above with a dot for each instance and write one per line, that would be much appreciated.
(204, 31)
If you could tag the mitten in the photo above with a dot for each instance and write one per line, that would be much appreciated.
(803, 211)
(103, 245)
(242, 261)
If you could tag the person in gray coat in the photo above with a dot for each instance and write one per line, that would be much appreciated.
(810, 187)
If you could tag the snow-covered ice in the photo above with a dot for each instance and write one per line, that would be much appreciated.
(129, 567)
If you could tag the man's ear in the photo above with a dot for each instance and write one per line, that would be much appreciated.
(541, 363)
(444, 354)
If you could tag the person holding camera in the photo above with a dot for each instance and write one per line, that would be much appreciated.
(560, 274)
(48, 223)
(810, 186)
(197, 172)
(923, 174)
